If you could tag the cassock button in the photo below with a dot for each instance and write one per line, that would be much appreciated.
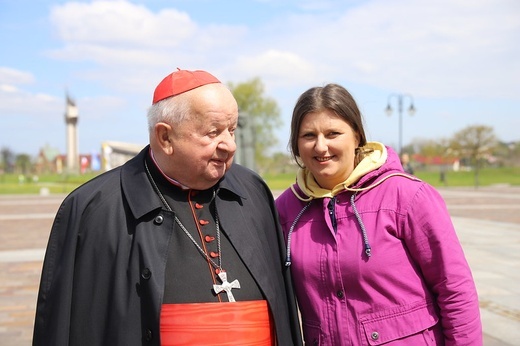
(209, 238)
(146, 273)
(203, 222)
(148, 335)
(198, 206)
(213, 254)
(158, 219)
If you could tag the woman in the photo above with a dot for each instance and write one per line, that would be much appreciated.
(373, 253)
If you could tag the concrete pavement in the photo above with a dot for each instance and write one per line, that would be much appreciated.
(487, 221)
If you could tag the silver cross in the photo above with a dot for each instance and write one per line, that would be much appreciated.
(226, 286)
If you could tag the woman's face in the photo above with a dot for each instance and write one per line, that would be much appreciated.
(327, 146)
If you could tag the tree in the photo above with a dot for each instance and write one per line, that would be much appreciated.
(280, 163)
(7, 160)
(23, 163)
(264, 113)
(475, 143)
(507, 153)
(428, 148)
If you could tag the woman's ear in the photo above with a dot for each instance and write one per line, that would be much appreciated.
(163, 134)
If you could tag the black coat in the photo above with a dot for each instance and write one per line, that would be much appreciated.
(103, 275)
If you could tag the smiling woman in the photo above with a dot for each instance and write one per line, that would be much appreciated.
(356, 226)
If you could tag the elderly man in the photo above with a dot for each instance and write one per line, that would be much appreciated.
(176, 247)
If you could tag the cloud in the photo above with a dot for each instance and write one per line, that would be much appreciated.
(128, 28)
(120, 23)
(37, 106)
(13, 76)
(6, 88)
(278, 68)
(132, 47)
(447, 48)
(443, 48)
(14, 99)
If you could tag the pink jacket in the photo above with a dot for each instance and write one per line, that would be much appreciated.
(415, 288)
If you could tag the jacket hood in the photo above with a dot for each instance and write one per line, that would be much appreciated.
(376, 167)
(374, 160)
(382, 161)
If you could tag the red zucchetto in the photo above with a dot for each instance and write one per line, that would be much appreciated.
(181, 81)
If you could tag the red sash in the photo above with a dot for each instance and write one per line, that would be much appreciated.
(239, 323)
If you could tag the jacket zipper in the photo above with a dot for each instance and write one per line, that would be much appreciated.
(332, 213)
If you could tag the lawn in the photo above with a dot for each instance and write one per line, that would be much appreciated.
(487, 177)
(60, 184)
(50, 183)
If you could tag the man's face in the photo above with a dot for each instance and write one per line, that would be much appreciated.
(204, 144)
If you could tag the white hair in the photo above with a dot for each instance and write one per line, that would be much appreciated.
(172, 110)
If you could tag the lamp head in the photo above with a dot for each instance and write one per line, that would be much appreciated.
(388, 110)
(411, 110)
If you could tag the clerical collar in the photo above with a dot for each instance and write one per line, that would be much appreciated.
(171, 180)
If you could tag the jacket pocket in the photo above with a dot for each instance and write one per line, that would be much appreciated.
(414, 321)
(312, 333)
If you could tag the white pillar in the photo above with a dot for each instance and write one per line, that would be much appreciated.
(71, 120)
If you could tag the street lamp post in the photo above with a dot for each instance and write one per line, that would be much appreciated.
(411, 110)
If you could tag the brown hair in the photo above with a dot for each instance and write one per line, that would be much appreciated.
(331, 97)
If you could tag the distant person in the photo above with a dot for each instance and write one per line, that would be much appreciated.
(373, 253)
(405, 161)
(176, 247)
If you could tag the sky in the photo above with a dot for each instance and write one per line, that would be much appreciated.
(457, 61)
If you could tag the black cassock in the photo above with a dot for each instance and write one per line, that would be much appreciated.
(189, 274)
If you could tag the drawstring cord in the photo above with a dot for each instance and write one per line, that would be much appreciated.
(288, 253)
(368, 249)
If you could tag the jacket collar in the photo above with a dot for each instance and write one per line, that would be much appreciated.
(370, 163)
(231, 183)
(133, 175)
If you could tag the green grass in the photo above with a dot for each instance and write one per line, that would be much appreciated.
(280, 181)
(487, 177)
(53, 183)
(59, 184)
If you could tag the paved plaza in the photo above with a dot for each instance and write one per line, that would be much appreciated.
(487, 222)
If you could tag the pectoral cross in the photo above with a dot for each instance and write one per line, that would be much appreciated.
(226, 286)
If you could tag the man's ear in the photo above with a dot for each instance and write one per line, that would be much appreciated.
(163, 133)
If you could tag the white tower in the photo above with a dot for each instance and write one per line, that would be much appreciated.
(71, 119)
